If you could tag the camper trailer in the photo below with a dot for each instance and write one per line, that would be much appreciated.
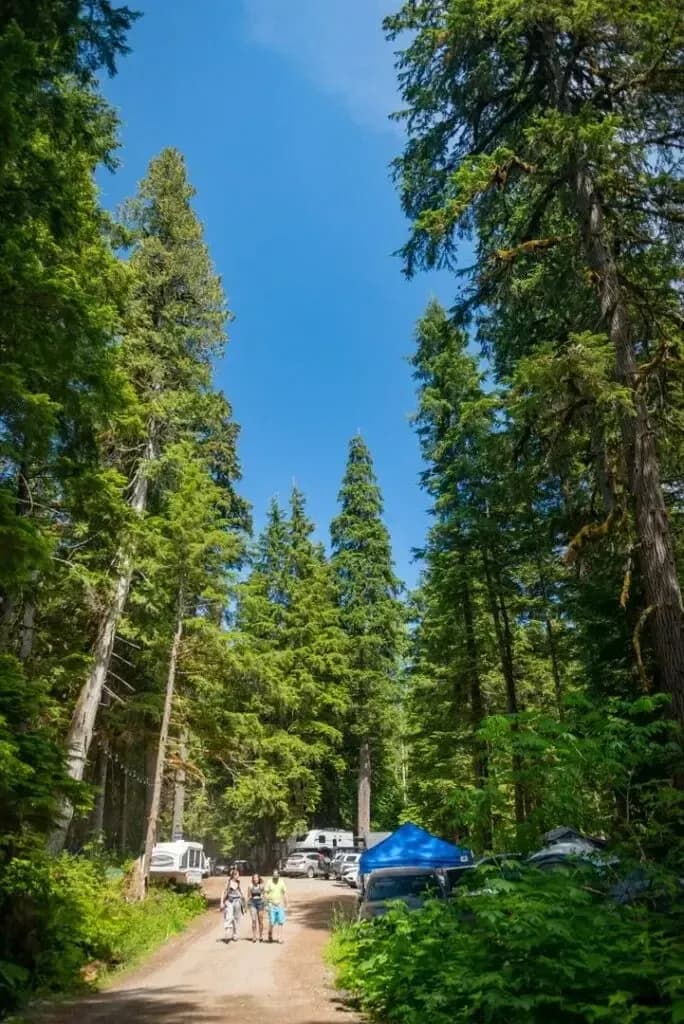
(181, 861)
(328, 838)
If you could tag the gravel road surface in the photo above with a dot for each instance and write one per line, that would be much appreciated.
(197, 977)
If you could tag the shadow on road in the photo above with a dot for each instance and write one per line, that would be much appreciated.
(138, 1006)
(321, 914)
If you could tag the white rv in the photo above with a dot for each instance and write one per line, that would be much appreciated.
(330, 838)
(181, 861)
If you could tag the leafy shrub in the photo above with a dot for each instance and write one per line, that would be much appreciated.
(61, 914)
(545, 949)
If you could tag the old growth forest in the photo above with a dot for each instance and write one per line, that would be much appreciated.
(165, 669)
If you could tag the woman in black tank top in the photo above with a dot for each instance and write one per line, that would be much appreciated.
(256, 901)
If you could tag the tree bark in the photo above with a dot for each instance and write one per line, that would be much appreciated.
(8, 598)
(179, 789)
(82, 725)
(28, 628)
(555, 665)
(503, 636)
(364, 793)
(483, 834)
(152, 821)
(99, 806)
(477, 708)
(655, 547)
(123, 827)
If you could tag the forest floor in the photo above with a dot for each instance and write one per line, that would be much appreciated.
(197, 977)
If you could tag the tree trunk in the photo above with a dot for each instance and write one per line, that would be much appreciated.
(28, 628)
(99, 806)
(364, 795)
(82, 725)
(123, 827)
(477, 708)
(8, 598)
(654, 540)
(504, 642)
(555, 665)
(483, 834)
(179, 789)
(151, 834)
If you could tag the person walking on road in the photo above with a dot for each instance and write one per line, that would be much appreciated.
(233, 905)
(276, 899)
(256, 900)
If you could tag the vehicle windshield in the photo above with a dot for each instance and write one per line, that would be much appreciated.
(393, 887)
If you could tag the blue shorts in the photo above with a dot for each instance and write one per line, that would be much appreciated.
(276, 915)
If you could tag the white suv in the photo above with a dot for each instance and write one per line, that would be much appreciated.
(307, 863)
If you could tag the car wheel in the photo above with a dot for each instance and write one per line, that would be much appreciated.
(310, 873)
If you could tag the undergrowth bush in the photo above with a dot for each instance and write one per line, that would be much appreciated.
(65, 922)
(547, 949)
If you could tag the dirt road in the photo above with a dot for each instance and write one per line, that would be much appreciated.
(197, 977)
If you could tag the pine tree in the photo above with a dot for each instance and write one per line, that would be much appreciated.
(61, 284)
(488, 640)
(174, 327)
(294, 653)
(372, 617)
(549, 129)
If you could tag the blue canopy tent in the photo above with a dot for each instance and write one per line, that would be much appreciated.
(413, 847)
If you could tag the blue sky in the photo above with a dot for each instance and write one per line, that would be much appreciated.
(280, 109)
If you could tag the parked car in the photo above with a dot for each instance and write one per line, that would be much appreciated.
(351, 876)
(307, 863)
(575, 853)
(343, 861)
(454, 876)
(410, 885)
(243, 866)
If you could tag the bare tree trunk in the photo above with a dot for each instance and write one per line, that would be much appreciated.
(99, 806)
(8, 598)
(654, 539)
(28, 627)
(179, 789)
(364, 794)
(504, 641)
(152, 820)
(123, 828)
(82, 725)
(477, 708)
(555, 665)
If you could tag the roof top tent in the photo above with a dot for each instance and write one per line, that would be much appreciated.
(411, 846)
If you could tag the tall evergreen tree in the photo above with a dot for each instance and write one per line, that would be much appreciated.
(294, 654)
(174, 327)
(372, 617)
(60, 283)
(551, 129)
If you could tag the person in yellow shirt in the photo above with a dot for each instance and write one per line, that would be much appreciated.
(276, 901)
